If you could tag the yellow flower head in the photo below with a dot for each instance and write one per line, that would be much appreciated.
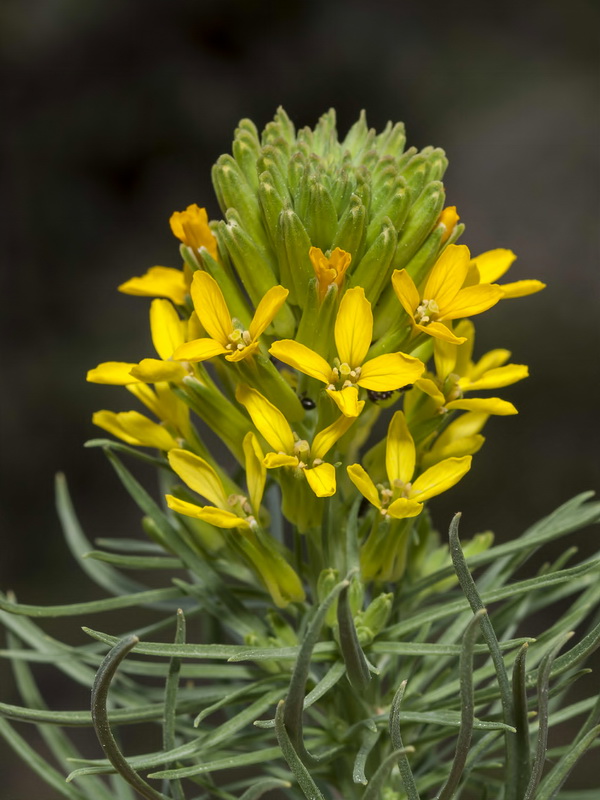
(491, 265)
(353, 334)
(329, 270)
(191, 227)
(288, 449)
(405, 497)
(226, 338)
(449, 219)
(444, 297)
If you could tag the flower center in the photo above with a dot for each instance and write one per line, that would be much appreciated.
(402, 489)
(238, 339)
(240, 503)
(426, 312)
(343, 373)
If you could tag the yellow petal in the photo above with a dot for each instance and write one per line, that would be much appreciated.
(472, 300)
(325, 439)
(491, 360)
(109, 421)
(256, 474)
(153, 370)
(211, 307)
(400, 453)
(146, 395)
(406, 291)
(390, 371)
(158, 282)
(364, 484)
(214, 516)
(266, 310)
(448, 275)
(301, 358)
(402, 508)
(347, 401)
(135, 428)
(166, 328)
(191, 227)
(469, 445)
(439, 478)
(275, 460)
(441, 331)
(495, 378)
(321, 479)
(199, 476)
(116, 373)
(486, 405)
(199, 350)
(522, 288)
(353, 327)
(493, 264)
(464, 352)
(431, 389)
(465, 425)
(268, 419)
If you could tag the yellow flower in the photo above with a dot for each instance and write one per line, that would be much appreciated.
(134, 428)
(168, 332)
(158, 282)
(491, 265)
(405, 497)
(226, 338)
(444, 298)
(353, 334)
(449, 219)
(457, 374)
(329, 270)
(227, 510)
(191, 227)
(238, 511)
(288, 449)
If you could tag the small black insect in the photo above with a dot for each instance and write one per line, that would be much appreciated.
(307, 403)
(379, 397)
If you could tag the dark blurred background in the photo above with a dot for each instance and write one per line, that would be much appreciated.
(113, 113)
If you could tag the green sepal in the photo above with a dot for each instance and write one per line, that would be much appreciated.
(395, 209)
(392, 139)
(320, 218)
(273, 161)
(349, 235)
(234, 191)
(264, 376)
(421, 219)
(246, 150)
(375, 266)
(318, 318)
(293, 245)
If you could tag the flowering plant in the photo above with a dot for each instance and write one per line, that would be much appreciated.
(322, 332)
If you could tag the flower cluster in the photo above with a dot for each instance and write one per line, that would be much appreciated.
(330, 304)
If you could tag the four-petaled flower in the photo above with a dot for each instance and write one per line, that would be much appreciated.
(444, 298)
(226, 337)
(353, 334)
(288, 449)
(404, 497)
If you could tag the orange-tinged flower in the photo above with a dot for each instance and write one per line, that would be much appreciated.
(449, 219)
(329, 270)
(353, 333)
(191, 227)
(444, 298)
